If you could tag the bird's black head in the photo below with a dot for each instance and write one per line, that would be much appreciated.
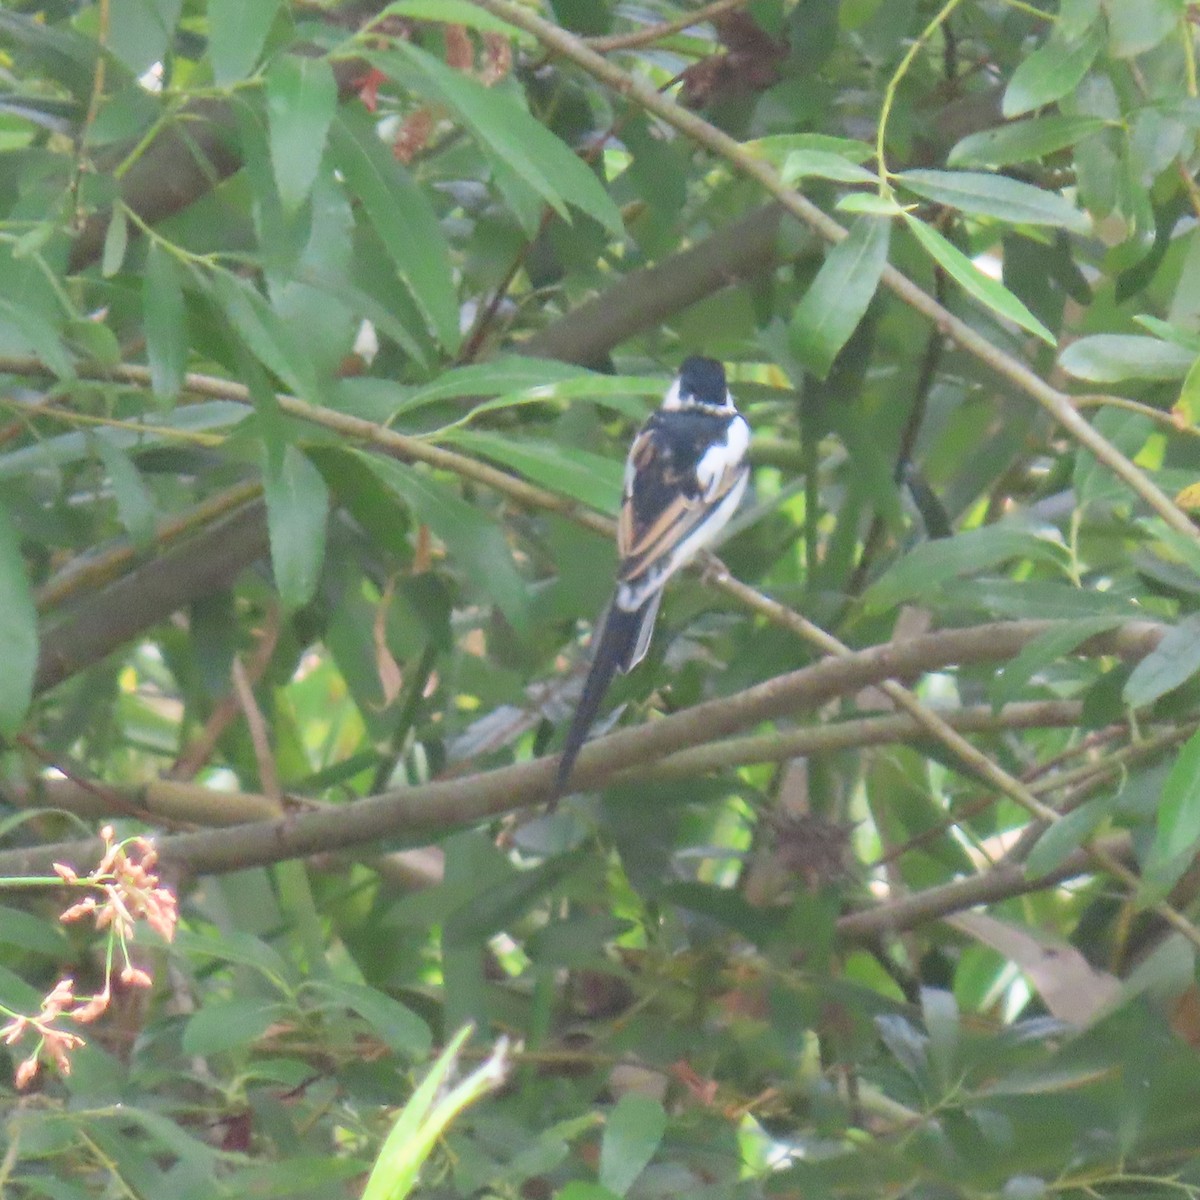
(699, 387)
(703, 379)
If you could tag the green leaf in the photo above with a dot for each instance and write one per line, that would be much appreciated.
(237, 946)
(403, 219)
(508, 134)
(474, 542)
(1135, 28)
(800, 164)
(1051, 72)
(71, 447)
(301, 101)
(273, 342)
(35, 934)
(36, 335)
(983, 287)
(1045, 649)
(1112, 357)
(870, 204)
(922, 571)
(397, 1024)
(116, 239)
(1177, 825)
(1172, 662)
(18, 630)
(222, 1025)
(589, 478)
(632, 1134)
(140, 30)
(1066, 835)
(777, 147)
(527, 380)
(425, 1117)
(135, 505)
(1022, 141)
(837, 298)
(164, 319)
(297, 513)
(995, 196)
(237, 32)
(455, 12)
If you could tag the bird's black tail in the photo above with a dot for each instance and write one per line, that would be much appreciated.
(622, 645)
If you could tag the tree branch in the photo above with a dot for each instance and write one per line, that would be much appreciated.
(424, 812)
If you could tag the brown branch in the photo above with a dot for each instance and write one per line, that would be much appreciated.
(423, 812)
(93, 628)
(858, 734)
(998, 883)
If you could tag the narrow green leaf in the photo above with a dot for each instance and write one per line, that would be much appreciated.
(237, 32)
(476, 544)
(140, 30)
(228, 1025)
(632, 1134)
(297, 512)
(1177, 826)
(403, 219)
(428, 1112)
(71, 447)
(301, 101)
(38, 336)
(397, 1024)
(270, 339)
(800, 164)
(507, 133)
(36, 934)
(1172, 662)
(589, 478)
(923, 570)
(1111, 357)
(1022, 141)
(1052, 71)
(116, 239)
(996, 196)
(1135, 28)
(940, 1012)
(1065, 836)
(518, 381)
(870, 204)
(135, 505)
(776, 147)
(839, 295)
(164, 319)
(983, 287)
(1045, 649)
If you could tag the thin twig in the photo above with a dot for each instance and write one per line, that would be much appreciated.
(652, 33)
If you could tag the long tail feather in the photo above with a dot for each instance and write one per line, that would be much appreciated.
(623, 642)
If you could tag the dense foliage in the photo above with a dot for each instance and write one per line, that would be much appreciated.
(323, 332)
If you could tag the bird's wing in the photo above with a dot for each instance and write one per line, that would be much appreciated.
(664, 504)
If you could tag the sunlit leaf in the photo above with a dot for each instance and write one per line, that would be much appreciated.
(983, 287)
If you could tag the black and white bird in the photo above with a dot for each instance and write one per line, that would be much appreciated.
(684, 477)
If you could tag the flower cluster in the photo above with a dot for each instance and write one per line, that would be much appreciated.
(122, 889)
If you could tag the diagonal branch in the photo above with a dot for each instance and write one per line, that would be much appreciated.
(429, 811)
(1056, 403)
